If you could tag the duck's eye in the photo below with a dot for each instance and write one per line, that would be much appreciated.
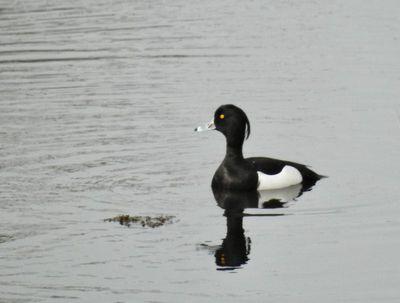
(221, 116)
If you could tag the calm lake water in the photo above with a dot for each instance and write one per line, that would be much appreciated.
(98, 102)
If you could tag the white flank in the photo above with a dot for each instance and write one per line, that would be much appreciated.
(287, 177)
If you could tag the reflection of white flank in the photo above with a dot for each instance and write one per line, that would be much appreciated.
(283, 194)
(287, 177)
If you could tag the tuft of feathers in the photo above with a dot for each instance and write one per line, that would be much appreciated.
(247, 126)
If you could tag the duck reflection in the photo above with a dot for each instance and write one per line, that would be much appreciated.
(235, 248)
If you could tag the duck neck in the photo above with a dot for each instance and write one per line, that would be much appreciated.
(234, 152)
(234, 143)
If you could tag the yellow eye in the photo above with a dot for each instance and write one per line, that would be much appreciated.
(221, 116)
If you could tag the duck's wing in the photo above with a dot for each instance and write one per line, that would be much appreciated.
(270, 166)
(267, 166)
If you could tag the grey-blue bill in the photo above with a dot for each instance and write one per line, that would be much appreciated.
(208, 126)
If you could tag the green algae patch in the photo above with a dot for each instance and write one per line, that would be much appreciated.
(144, 221)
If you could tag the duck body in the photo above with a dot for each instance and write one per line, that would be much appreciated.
(256, 173)
(259, 173)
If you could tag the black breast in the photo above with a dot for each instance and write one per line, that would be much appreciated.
(235, 175)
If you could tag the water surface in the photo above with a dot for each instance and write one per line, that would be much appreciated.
(98, 101)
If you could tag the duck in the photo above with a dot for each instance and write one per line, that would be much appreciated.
(254, 173)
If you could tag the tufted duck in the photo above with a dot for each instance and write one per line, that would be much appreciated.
(238, 173)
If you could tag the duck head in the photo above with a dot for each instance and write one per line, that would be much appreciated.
(232, 122)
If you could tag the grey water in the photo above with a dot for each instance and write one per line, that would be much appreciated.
(98, 102)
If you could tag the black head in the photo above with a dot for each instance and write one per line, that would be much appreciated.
(233, 123)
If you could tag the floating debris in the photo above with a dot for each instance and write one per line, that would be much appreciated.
(145, 221)
(5, 238)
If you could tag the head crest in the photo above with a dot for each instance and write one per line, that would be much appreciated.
(247, 127)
